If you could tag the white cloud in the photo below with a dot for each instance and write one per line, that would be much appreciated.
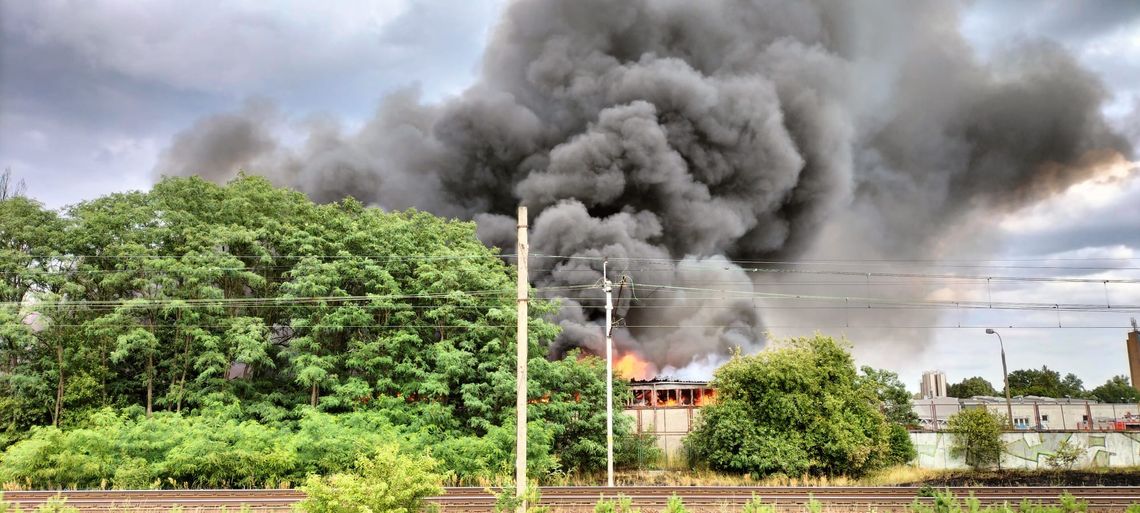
(1113, 184)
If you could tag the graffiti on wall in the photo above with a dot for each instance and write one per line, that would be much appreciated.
(1030, 450)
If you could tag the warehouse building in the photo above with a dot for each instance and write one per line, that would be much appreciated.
(667, 408)
(1035, 413)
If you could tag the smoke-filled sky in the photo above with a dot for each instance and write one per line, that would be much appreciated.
(879, 146)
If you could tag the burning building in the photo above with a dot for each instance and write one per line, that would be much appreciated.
(667, 408)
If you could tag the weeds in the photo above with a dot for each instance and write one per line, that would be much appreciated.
(675, 505)
(757, 506)
(622, 504)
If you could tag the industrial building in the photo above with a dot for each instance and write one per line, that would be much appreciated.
(1035, 413)
(933, 384)
(1133, 345)
(667, 408)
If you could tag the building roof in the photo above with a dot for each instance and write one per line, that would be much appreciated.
(667, 381)
(1027, 399)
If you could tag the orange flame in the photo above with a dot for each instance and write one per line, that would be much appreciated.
(630, 366)
(708, 396)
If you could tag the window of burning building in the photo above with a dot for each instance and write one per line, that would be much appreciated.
(666, 396)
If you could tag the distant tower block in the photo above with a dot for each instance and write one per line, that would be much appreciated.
(1134, 354)
(933, 384)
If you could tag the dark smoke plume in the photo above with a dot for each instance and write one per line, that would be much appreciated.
(680, 138)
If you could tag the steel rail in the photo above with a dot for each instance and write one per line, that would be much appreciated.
(583, 498)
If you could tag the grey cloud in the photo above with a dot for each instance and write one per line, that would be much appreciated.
(1071, 21)
(203, 47)
(675, 134)
(217, 147)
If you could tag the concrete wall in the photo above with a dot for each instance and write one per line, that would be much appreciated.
(671, 425)
(1028, 450)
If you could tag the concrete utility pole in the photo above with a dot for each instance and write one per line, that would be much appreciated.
(521, 251)
(608, 288)
(1004, 376)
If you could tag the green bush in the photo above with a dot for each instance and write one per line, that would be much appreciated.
(796, 408)
(636, 451)
(977, 436)
(1066, 455)
(386, 482)
(172, 450)
(506, 501)
(902, 449)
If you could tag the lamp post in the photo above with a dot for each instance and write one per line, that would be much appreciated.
(1004, 376)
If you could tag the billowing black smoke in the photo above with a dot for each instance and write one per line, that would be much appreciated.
(678, 137)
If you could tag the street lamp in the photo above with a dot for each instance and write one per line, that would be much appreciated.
(1004, 376)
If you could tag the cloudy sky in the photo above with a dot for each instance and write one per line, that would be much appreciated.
(91, 92)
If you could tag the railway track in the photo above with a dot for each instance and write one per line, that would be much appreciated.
(583, 498)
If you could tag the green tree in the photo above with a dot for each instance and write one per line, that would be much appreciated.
(977, 436)
(1117, 389)
(902, 448)
(971, 387)
(894, 400)
(33, 356)
(195, 298)
(798, 408)
(1045, 383)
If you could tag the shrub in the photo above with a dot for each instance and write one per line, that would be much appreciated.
(387, 482)
(506, 501)
(902, 449)
(977, 436)
(1066, 455)
(797, 408)
(636, 450)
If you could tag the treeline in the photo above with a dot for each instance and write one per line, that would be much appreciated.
(1046, 382)
(146, 309)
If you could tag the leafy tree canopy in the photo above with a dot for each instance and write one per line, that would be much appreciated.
(1045, 383)
(798, 408)
(893, 398)
(1116, 390)
(971, 387)
(977, 436)
(196, 297)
